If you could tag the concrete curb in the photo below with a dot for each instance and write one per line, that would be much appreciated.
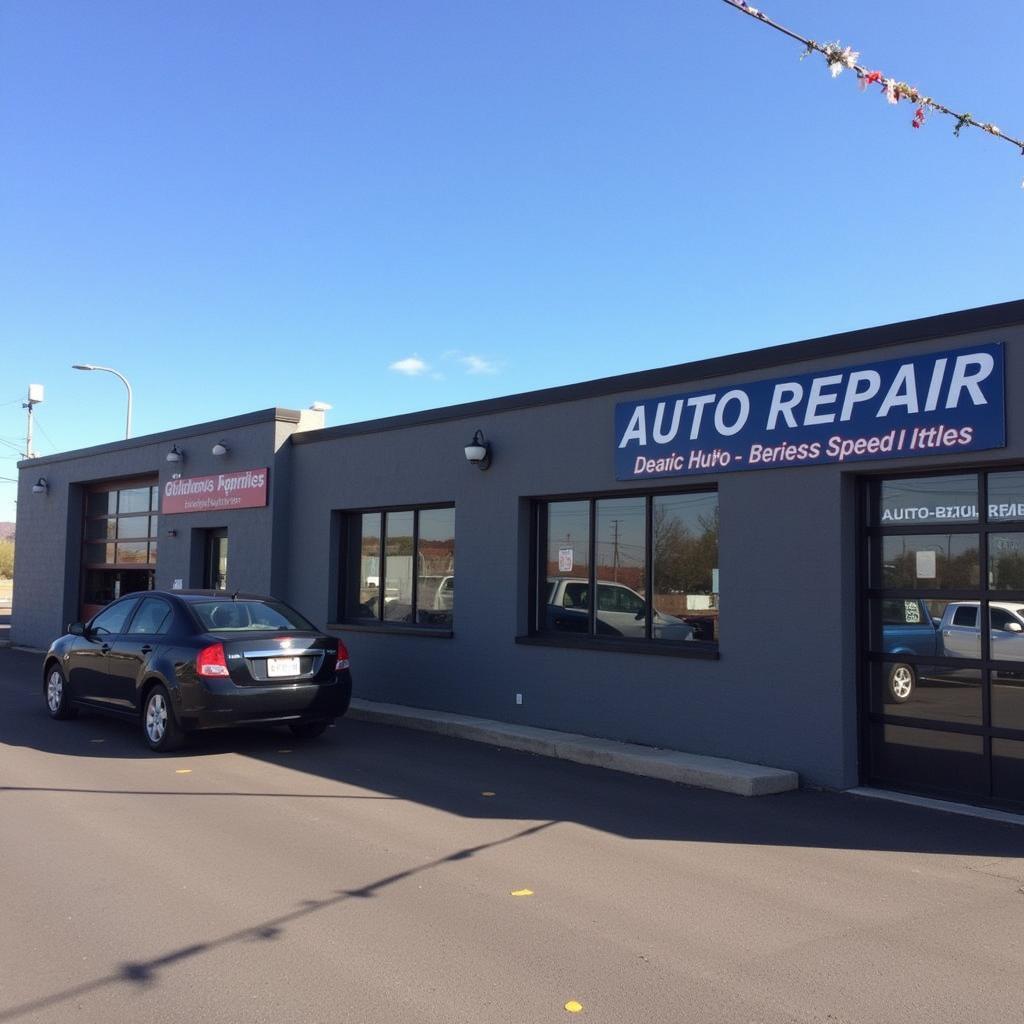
(672, 765)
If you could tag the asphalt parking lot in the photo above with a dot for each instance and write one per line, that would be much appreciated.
(382, 874)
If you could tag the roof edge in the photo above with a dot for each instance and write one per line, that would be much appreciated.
(272, 415)
(884, 336)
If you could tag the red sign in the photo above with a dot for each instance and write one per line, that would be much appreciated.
(245, 489)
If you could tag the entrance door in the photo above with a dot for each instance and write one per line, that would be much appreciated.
(215, 573)
(943, 690)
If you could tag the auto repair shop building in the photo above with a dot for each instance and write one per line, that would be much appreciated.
(809, 556)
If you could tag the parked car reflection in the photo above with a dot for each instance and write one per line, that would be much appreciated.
(621, 611)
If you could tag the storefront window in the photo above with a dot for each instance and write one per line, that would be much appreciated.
(649, 567)
(119, 543)
(406, 567)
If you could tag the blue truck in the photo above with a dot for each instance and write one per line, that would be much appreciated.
(907, 628)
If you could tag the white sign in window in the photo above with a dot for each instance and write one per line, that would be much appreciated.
(565, 559)
(926, 565)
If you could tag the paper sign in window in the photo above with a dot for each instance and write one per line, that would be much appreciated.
(565, 559)
(926, 565)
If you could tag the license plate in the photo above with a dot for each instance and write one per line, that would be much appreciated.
(282, 667)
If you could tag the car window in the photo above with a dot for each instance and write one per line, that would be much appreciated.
(152, 618)
(896, 612)
(629, 602)
(575, 595)
(236, 616)
(965, 616)
(1001, 617)
(111, 620)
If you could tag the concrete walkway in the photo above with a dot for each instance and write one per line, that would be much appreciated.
(672, 765)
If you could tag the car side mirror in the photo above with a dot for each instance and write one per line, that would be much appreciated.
(1014, 627)
(76, 629)
(640, 614)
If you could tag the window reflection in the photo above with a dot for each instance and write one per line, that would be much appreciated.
(1006, 561)
(134, 499)
(369, 566)
(1005, 497)
(930, 562)
(435, 567)
(620, 546)
(685, 560)
(929, 500)
(936, 692)
(1007, 698)
(568, 567)
(398, 557)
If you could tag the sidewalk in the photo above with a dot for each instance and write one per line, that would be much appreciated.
(716, 773)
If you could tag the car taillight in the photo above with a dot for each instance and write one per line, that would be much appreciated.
(342, 662)
(210, 661)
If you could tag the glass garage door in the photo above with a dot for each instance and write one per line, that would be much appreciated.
(944, 669)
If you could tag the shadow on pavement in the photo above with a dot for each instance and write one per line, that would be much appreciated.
(453, 775)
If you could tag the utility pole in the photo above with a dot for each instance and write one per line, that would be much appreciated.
(615, 550)
(35, 396)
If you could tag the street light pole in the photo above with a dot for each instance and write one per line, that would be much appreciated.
(124, 381)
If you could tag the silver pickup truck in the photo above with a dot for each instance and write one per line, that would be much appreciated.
(621, 611)
(960, 630)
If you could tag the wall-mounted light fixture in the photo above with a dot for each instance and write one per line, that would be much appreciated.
(478, 451)
(172, 533)
(175, 454)
(40, 486)
(220, 448)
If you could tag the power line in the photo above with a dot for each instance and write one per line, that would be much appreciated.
(839, 58)
(45, 434)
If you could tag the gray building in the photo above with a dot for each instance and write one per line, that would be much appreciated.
(809, 556)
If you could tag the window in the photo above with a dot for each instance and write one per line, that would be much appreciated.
(945, 633)
(965, 616)
(112, 620)
(400, 567)
(651, 560)
(119, 542)
(153, 617)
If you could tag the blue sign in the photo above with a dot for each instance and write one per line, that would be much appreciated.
(926, 405)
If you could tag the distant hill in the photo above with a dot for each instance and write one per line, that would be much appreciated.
(6, 531)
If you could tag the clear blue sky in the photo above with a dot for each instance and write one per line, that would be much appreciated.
(246, 204)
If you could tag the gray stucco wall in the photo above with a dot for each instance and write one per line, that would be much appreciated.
(784, 690)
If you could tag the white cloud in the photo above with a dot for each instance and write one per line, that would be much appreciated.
(474, 364)
(412, 366)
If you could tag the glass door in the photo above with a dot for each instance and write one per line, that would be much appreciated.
(215, 574)
(943, 695)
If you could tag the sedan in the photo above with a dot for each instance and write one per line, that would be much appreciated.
(181, 661)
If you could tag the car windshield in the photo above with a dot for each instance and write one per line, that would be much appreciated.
(229, 616)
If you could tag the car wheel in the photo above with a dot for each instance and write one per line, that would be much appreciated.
(159, 726)
(902, 680)
(308, 730)
(58, 700)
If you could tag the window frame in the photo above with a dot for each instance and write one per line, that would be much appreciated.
(349, 561)
(538, 579)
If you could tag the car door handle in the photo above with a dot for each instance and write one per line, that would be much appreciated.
(146, 648)
(105, 649)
